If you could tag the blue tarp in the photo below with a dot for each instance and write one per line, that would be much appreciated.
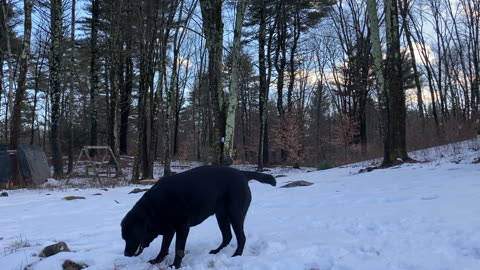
(33, 164)
(5, 164)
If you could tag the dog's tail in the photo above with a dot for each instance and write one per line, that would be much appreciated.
(261, 177)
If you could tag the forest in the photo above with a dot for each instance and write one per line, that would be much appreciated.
(317, 83)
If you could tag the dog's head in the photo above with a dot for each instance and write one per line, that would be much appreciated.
(137, 231)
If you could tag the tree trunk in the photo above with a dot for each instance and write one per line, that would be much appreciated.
(394, 84)
(146, 116)
(115, 78)
(1, 88)
(38, 69)
(280, 64)
(266, 148)
(364, 66)
(293, 49)
(22, 78)
(233, 98)
(415, 72)
(263, 89)
(280, 59)
(21, 87)
(125, 100)
(213, 29)
(11, 76)
(144, 120)
(379, 72)
(170, 105)
(71, 97)
(94, 71)
(55, 84)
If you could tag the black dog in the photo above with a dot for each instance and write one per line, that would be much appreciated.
(176, 203)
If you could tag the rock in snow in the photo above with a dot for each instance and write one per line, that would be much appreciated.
(298, 183)
(54, 249)
(71, 265)
(69, 198)
(138, 190)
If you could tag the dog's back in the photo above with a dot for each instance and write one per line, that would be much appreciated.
(199, 192)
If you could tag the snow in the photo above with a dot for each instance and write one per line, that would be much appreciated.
(414, 216)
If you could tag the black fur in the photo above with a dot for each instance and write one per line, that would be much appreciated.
(178, 202)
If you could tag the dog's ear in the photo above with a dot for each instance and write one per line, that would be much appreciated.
(127, 221)
(150, 231)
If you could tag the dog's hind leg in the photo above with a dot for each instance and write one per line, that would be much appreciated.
(237, 224)
(224, 224)
(167, 239)
(237, 213)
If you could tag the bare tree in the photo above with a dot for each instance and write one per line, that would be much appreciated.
(263, 86)
(71, 96)
(233, 95)
(404, 11)
(394, 85)
(54, 62)
(94, 72)
(213, 30)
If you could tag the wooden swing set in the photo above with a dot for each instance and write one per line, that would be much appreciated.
(94, 165)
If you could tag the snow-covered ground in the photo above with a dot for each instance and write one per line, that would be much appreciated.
(423, 216)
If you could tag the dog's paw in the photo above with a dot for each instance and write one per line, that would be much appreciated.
(213, 251)
(155, 261)
(158, 259)
(174, 266)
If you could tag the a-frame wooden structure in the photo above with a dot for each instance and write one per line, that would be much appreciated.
(107, 151)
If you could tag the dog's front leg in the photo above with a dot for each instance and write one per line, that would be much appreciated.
(167, 239)
(180, 241)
